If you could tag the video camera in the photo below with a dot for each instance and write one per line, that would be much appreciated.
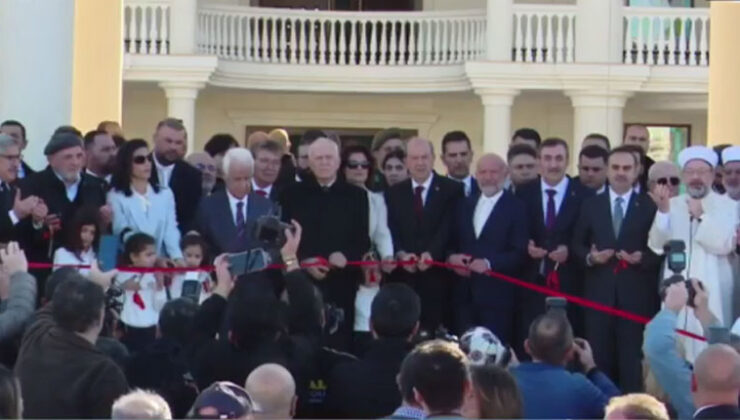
(675, 252)
(269, 232)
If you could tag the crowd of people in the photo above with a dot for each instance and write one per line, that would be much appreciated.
(389, 298)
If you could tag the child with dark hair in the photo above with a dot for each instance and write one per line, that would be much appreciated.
(144, 293)
(81, 242)
(195, 285)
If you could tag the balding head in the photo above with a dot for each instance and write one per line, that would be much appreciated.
(491, 174)
(323, 160)
(256, 138)
(716, 378)
(272, 390)
(419, 158)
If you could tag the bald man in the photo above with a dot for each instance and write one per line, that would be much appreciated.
(491, 234)
(334, 216)
(420, 216)
(715, 383)
(256, 137)
(272, 390)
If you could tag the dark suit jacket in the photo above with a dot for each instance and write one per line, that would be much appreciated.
(27, 171)
(431, 233)
(719, 412)
(634, 287)
(185, 183)
(7, 200)
(647, 164)
(215, 222)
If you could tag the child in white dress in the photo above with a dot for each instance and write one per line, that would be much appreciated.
(79, 247)
(194, 252)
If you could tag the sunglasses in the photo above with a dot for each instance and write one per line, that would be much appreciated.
(664, 181)
(139, 160)
(355, 165)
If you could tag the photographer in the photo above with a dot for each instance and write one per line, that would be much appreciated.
(672, 371)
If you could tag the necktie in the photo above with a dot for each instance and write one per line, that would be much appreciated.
(418, 201)
(262, 193)
(617, 216)
(550, 215)
(240, 225)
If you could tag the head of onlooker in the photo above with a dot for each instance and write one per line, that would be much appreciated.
(65, 156)
(203, 162)
(100, 150)
(323, 160)
(272, 390)
(718, 186)
(55, 279)
(592, 167)
(281, 137)
(666, 173)
(716, 377)
(358, 165)
(550, 339)
(256, 138)
(637, 407)
(79, 307)
(84, 235)
(491, 172)
(176, 320)
(731, 171)
(553, 160)
(622, 171)
(436, 374)
(267, 160)
(194, 250)
(523, 164)
(222, 400)
(238, 171)
(217, 146)
(395, 312)
(457, 154)
(307, 139)
(11, 403)
(638, 135)
(133, 167)
(10, 159)
(384, 142)
(495, 394)
(140, 404)
(16, 130)
(528, 136)
(139, 250)
(697, 170)
(639, 155)
(68, 129)
(419, 159)
(596, 139)
(394, 167)
(170, 141)
(111, 127)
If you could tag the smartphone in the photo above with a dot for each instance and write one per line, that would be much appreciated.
(247, 262)
(238, 263)
(108, 252)
(718, 335)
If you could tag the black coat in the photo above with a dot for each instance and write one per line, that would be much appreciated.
(185, 183)
(719, 412)
(64, 376)
(7, 200)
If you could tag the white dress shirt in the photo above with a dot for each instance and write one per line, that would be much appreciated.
(380, 234)
(71, 189)
(267, 189)
(625, 200)
(483, 210)
(164, 173)
(106, 178)
(426, 184)
(601, 190)
(560, 190)
(62, 256)
(132, 314)
(232, 205)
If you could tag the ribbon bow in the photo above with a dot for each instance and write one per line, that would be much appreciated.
(552, 280)
(621, 265)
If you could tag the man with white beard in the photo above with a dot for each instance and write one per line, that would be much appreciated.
(706, 222)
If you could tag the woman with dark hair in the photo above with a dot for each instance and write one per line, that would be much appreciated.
(495, 394)
(139, 205)
(217, 146)
(11, 403)
(81, 242)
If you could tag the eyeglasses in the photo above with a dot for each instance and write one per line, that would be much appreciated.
(139, 160)
(355, 165)
(673, 180)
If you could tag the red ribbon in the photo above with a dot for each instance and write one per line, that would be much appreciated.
(621, 265)
(552, 280)
(138, 300)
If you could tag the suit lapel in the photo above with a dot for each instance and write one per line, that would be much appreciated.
(606, 209)
(633, 207)
(432, 195)
(567, 204)
(496, 212)
(225, 216)
(539, 212)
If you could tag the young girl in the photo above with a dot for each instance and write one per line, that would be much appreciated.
(197, 284)
(81, 243)
(144, 294)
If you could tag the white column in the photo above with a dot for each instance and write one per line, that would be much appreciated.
(497, 119)
(183, 26)
(499, 28)
(599, 31)
(181, 98)
(36, 40)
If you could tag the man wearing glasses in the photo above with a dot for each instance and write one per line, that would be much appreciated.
(666, 173)
(13, 210)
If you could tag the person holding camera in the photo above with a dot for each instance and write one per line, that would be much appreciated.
(706, 222)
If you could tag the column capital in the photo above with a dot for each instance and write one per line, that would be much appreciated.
(182, 90)
(497, 96)
(599, 98)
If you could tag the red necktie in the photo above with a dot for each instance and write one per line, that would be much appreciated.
(418, 201)
(263, 193)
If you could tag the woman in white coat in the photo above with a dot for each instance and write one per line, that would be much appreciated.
(140, 205)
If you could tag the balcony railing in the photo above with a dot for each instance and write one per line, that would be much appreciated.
(146, 27)
(544, 34)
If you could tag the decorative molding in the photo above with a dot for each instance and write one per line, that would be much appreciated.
(168, 68)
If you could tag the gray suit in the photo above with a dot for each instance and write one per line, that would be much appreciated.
(215, 222)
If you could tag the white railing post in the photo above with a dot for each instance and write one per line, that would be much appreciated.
(499, 30)
(183, 21)
(598, 29)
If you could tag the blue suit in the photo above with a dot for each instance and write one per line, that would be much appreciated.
(483, 300)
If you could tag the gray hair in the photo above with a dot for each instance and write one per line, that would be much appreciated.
(6, 141)
(140, 404)
(238, 155)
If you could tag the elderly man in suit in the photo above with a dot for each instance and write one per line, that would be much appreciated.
(227, 218)
(13, 210)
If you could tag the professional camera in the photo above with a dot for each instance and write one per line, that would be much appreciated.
(269, 232)
(675, 252)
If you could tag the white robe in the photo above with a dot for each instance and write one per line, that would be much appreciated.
(709, 246)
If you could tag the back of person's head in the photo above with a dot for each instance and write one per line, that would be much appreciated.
(437, 372)
(140, 404)
(176, 320)
(636, 407)
(520, 149)
(496, 393)
(272, 390)
(310, 136)
(11, 404)
(135, 244)
(56, 278)
(527, 134)
(256, 319)
(78, 305)
(395, 311)
(716, 378)
(550, 338)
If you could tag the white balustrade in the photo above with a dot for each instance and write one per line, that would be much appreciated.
(146, 27)
(543, 34)
(270, 35)
(666, 36)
